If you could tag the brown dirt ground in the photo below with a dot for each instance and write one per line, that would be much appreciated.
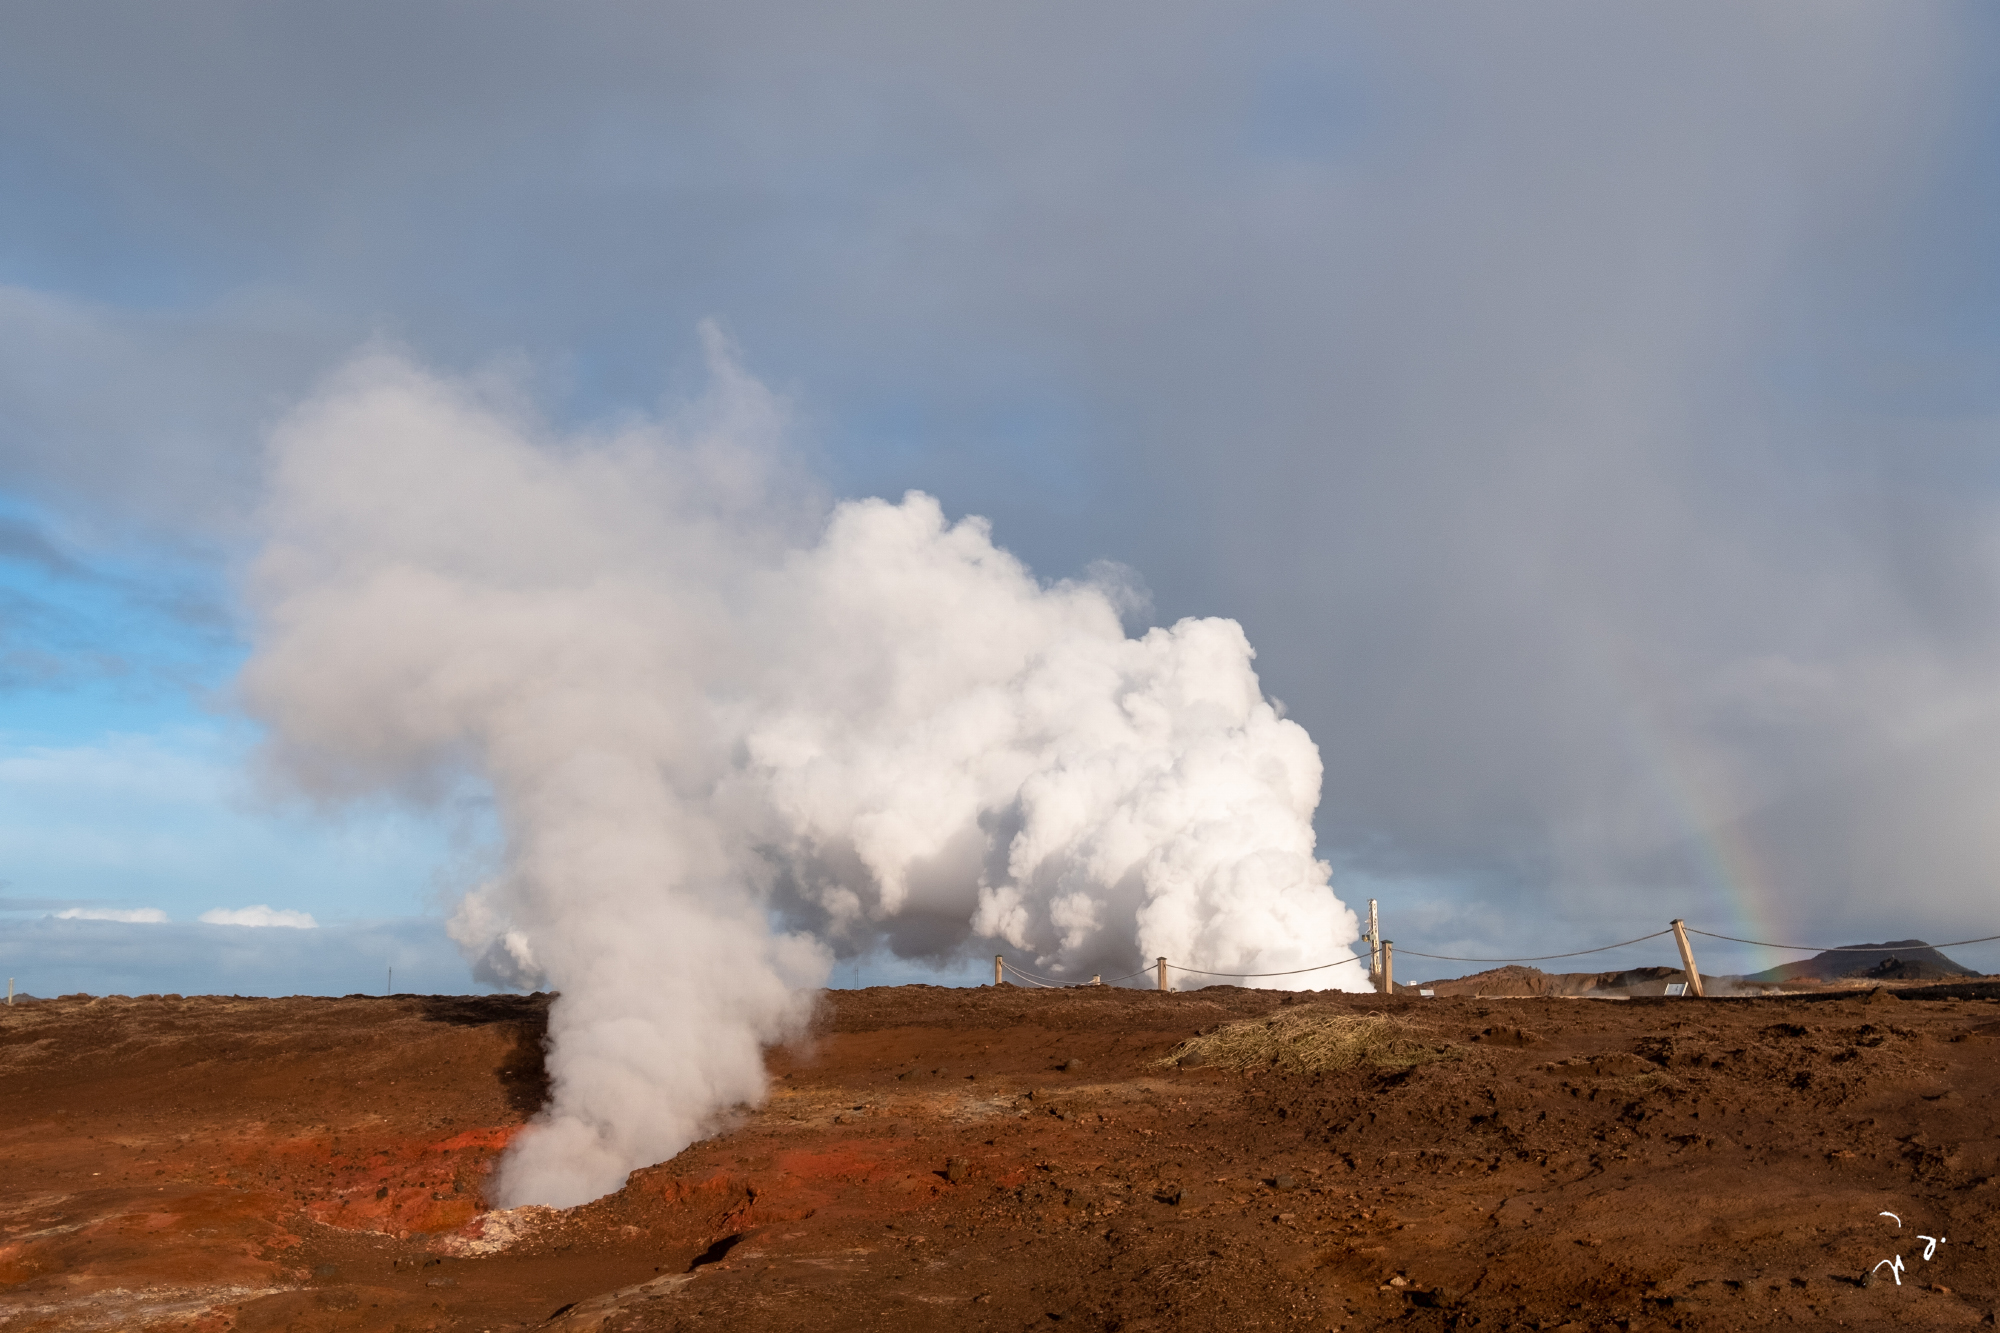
(927, 1161)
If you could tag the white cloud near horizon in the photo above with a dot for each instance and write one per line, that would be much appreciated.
(191, 828)
(47, 956)
(130, 915)
(259, 915)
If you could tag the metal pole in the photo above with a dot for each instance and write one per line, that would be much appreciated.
(389, 988)
(10, 992)
(996, 969)
(1163, 974)
(1687, 958)
(1388, 967)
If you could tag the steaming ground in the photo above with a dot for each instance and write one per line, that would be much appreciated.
(733, 732)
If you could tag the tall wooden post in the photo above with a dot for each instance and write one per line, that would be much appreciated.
(996, 969)
(1687, 958)
(1388, 967)
(1163, 974)
(1374, 942)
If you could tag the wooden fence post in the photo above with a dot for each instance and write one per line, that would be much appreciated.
(1163, 974)
(1374, 944)
(1687, 958)
(996, 969)
(1388, 967)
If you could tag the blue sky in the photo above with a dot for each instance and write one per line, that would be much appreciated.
(1589, 412)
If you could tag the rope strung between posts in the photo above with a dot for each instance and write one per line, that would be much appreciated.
(1539, 958)
(1052, 984)
(1176, 967)
(1047, 983)
(1841, 948)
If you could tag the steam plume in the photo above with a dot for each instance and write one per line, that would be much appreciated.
(732, 732)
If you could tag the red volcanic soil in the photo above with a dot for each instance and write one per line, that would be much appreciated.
(1006, 1159)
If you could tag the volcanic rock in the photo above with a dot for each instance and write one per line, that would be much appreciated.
(314, 1165)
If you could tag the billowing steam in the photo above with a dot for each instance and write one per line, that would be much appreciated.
(731, 732)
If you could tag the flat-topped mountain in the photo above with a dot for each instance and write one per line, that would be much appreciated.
(1898, 960)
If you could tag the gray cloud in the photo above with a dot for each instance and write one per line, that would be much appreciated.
(124, 416)
(1581, 407)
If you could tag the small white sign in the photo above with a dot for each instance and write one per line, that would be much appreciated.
(1428, 994)
(1677, 988)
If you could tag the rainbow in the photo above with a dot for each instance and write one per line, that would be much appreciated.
(1698, 800)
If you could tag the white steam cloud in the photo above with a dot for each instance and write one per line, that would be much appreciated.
(731, 733)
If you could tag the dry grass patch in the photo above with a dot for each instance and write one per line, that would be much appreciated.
(1311, 1040)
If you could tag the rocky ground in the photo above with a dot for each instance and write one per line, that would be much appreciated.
(1009, 1159)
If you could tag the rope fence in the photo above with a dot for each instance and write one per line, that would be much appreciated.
(1033, 980)
(1051, 983)
(1248, 976)
(1837, 948)
(1380, 958)
(1541, 958)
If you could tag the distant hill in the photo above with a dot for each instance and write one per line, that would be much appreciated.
(1517, 980)
(1898, 960)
